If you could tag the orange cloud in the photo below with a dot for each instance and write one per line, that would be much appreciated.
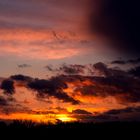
(64, 97)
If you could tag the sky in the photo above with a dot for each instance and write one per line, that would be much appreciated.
(46, 32)
(53, 66)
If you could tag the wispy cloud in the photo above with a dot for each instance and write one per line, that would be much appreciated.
(42, 44)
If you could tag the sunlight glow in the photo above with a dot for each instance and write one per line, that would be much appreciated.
(39, 118)
(65, 118)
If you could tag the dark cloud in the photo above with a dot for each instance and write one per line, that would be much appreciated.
(89, 117)
(90, 69)
(102, 68)
(87, 90)
(118, 22)
(55, 35)
(6, 101)
(53, 87)
(123, 62)
(49, 68)
(3, 101)
(14, 108)
(81, 112)
(105, 118)
(20, 78)
(120, 62)
(61, 110)
(72, 69)
(9, 105)
(124, 88)
(83, 115)
(8, 86)
(24, 66)
(125, 114)
(117, 83)
(134, 61)
(105, 71)
(135, 71)
(119, 111)
(67, 69)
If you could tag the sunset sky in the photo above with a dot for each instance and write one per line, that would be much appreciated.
(53, 67)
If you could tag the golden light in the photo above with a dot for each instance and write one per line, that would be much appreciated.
(49, 118)
(65, 118)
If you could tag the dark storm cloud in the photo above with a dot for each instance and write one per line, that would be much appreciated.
(8, 86)
(117, 21)
(53, 87)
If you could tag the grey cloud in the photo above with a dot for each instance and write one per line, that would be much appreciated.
(123, 62)
(24, 66)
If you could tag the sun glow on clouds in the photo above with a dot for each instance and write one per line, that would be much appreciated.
(39, 118)
(54, 110)
(65, 118)
(58, 102)
(43, 44)
(55, 32)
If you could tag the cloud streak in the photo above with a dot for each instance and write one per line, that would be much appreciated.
(41, 44)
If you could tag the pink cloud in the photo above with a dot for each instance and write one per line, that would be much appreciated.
(42, 44)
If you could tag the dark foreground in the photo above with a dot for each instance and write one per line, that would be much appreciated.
(113, 130)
